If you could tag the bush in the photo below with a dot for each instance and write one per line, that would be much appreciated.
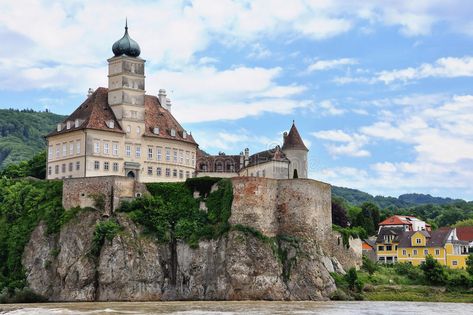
(354, 232)
(24, 295)
(434, 272)
(369, 265)
(410, 271)
(340, 295)
(105, 230)
(469, 264)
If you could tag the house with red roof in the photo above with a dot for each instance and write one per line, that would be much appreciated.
(407, 223)
(465, 233)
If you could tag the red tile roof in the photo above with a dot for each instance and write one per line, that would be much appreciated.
(395, 220)
(465, 233)
(94, 113)
(293, 140)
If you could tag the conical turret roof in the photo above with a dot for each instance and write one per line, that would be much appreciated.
(293, 140)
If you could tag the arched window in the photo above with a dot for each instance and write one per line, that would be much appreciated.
(203, 167)
(219, 166)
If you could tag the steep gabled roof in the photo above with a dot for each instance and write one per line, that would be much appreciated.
(386, 230)
(274, 154)
(293, 140)
(93, 113)
(465, 233)
(436, 238)
(157, 116)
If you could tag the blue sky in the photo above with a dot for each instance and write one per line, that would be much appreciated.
(381, 91)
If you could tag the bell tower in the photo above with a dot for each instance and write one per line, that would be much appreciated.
(126, 83)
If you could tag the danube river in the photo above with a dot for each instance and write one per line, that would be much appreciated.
(234, 308)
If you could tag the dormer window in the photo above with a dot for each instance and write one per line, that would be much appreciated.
(184, 134)
(110, 124)
(173, 132)
(77, 123)
(156, 130)
(68, 125)
(59, 127)
(128, 129)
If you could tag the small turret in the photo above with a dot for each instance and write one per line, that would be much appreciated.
(296, 151)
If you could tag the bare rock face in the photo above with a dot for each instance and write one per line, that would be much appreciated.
(133, 267)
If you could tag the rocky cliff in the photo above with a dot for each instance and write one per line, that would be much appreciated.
(132, 267)
(276, 244)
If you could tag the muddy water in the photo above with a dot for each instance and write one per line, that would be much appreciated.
(234, 308)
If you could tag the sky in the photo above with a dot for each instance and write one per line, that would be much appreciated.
(381, 91)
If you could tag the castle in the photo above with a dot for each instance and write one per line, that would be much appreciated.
(121, 131)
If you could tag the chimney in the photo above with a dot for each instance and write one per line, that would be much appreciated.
(162, 97)
(90, 92)
(168, 104)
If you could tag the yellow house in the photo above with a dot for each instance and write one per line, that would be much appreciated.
(387, 244)
(441, 244)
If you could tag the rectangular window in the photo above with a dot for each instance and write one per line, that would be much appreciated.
(168, 172)
(404, 252)
(418, 241)
(426, 252)
(138, 151)
(187, 174)
(77, 166)
(115, 149)
(49, 170)
(106, 166)
(106, 148)
(158, 171)
(71, 167)
(437, 252)
(181, 156)
(128, 150)
(188, 157)
(71, 148)
(96, 147)
(63, 168)
(415, 252)
(193, 159)
(150, 170)
(175, 155)
(174, 173)
(78, 147)
(181, 174)
(57, 150)
(454, 262)
(380, 248)
(389, 247)
(168, 154)
(50, 152)
(150, 153)
(158, 153)
(64, 149)
(56, 169)
(115, 167)
(96, 165)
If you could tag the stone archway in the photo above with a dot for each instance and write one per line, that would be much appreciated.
(131, 174)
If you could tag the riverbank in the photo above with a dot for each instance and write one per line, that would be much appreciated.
(415, 293)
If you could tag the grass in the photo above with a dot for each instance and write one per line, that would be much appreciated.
(416, 293)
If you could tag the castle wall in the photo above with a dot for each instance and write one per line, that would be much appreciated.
(79, 192)
(297, 207)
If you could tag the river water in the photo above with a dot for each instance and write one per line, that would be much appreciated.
(237, 308)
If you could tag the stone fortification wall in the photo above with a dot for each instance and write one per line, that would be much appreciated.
(79, 192)
(297, 207)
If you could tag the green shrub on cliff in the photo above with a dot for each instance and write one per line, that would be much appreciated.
(23, 203)
(105, 230)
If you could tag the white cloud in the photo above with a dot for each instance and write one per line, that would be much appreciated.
(321, 65)
(349, 145)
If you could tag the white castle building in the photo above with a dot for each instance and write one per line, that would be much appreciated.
(122, 131)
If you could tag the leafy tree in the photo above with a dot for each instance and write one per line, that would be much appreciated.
(469, 264)
(339, 212)
(462, 223)
(434, 272)
(368, 218)
(354, 283)
(35, 167)
(369, 265)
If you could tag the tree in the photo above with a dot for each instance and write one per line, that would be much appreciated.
(462, 223)
(354, 284)
(369, 265)
(339, 212)
(469, 264)
(433, 271)
(368, 217)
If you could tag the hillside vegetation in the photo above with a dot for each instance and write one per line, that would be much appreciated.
(22, 133)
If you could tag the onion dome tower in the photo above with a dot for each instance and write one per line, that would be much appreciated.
(126, 45)
(296, 152)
